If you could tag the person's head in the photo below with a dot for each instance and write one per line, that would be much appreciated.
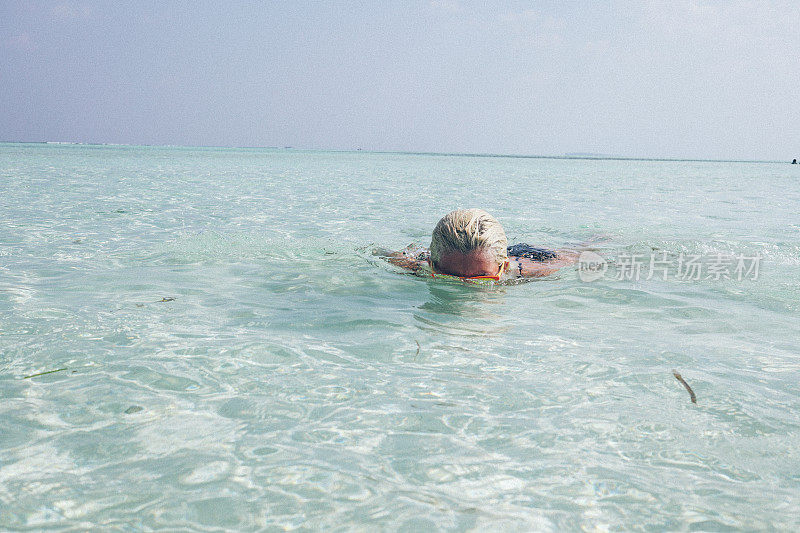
(468, 243)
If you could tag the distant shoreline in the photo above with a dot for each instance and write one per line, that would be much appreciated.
(568, 156)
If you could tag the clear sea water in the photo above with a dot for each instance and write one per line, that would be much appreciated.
(230, 355)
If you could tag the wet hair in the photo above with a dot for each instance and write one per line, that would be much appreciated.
(465, 230)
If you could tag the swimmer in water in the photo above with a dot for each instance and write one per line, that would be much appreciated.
(471, 244)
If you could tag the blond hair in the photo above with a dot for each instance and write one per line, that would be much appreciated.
(465, 230)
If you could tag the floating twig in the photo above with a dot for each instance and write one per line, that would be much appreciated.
(418, 349)
(683, 382)
(43, 373)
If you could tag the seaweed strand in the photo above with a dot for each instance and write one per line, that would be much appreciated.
(688, 388)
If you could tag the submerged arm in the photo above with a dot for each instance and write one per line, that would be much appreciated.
(408, 259)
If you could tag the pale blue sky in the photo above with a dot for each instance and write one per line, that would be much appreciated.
(677, 78)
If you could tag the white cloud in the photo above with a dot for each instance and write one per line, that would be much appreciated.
(735, 21)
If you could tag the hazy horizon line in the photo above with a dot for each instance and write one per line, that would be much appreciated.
(567, 156)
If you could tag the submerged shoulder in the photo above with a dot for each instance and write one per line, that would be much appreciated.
(521, 267)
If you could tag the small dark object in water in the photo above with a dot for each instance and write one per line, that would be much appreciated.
(688, 388)
(794, 161)
(531, 252)
(418, 349)
(167, 299)
(133, 409)
(44, 373)
(139, 305)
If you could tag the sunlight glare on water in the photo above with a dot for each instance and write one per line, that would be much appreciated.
(230, 354)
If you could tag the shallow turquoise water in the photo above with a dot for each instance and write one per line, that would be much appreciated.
(291, 380)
